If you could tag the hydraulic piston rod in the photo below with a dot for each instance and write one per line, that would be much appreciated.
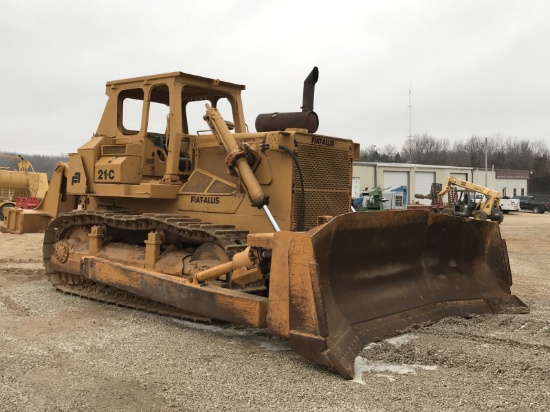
(271, 219)
(236, 157)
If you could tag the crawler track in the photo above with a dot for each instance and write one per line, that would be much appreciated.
(183, 229)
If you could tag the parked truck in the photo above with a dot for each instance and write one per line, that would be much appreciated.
(529, 203)
(508, 205)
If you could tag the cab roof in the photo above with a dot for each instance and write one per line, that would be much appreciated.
(182, 77)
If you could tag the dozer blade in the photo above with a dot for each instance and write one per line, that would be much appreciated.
(364, 277)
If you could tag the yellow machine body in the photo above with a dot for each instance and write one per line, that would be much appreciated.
(215, 221)
(19, 180)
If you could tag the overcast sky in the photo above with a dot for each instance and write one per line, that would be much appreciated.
(475, 67)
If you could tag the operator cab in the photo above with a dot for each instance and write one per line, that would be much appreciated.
(466, 202)
(155, 118)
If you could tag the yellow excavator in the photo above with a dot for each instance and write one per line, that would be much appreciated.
(466, 202)
(254, 228)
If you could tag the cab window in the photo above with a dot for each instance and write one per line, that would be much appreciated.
(159, 108)
(130, 108)
(194, 102)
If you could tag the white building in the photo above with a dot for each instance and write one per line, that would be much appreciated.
(508, 182)
(419, 178)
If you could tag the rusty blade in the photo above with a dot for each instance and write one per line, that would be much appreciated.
(376, 275)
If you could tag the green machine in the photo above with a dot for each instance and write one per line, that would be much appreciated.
(372, 201)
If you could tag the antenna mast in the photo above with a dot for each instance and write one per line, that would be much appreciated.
(410, 125)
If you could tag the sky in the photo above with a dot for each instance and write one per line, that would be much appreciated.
(469, 67)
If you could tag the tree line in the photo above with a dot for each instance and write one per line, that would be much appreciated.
(502, 153)
(40, 163)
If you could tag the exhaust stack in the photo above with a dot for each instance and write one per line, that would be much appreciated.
(306, 119)
(309, 90)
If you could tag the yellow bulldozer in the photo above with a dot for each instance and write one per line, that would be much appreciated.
(174, 206)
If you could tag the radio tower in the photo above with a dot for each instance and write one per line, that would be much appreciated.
(410, 126)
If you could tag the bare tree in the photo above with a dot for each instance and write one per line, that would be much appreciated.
(425, 149)
(369, 154)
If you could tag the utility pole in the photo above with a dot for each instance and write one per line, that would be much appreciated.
(410, 126)
(486, 149)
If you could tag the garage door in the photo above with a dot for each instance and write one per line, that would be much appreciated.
(395, 179)
(423, 182)
(462, 176)
(355, 187)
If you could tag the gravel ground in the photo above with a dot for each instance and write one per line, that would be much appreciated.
(62, 353)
